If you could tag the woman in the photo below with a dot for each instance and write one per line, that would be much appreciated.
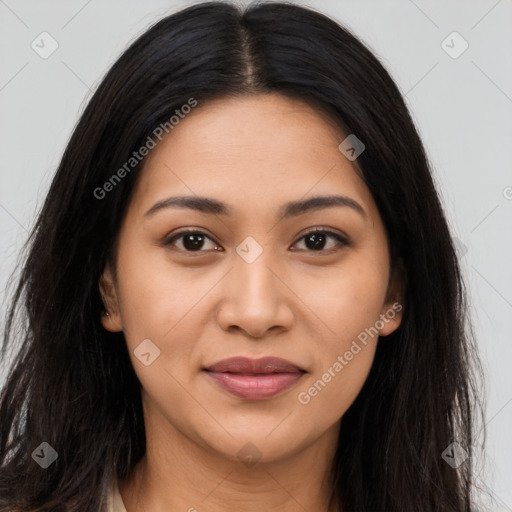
(241, 291)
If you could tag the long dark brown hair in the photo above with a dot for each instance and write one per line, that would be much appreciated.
(72, 384)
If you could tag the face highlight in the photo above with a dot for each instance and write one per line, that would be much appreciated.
(250, 234)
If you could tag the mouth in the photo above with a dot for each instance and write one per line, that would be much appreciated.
(255, 379)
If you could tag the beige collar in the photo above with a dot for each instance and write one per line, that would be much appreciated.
(115, 502)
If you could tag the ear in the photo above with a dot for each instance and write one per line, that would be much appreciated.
(111, 321)
(392, 311)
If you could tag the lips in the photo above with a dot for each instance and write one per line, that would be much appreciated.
(254, 366)
(254, 379)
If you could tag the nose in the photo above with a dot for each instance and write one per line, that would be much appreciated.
(255, 298)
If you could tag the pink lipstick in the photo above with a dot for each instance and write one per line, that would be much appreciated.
(254, 379)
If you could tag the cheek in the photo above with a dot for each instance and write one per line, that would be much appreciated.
(347, 298)
(161, 302)
(349, 305)
(329, 393)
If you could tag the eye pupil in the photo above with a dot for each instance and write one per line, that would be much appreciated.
(317, 241)
(193, 241)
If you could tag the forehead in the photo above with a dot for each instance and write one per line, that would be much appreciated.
(262, 147)
(253, 124)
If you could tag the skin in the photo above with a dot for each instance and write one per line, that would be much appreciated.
(198, 307)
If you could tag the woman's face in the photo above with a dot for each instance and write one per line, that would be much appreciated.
(254, 283)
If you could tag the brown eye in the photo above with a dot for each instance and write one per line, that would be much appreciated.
(191, 241)
(197, 241)
(318, 239)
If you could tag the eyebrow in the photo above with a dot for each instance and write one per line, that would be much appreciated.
(290, 209)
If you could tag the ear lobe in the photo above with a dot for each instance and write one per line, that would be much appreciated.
(111, 319)
(392, 312)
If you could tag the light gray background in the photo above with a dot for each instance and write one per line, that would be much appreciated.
(462, 107)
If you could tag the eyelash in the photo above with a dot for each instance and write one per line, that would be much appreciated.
(341, 239)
